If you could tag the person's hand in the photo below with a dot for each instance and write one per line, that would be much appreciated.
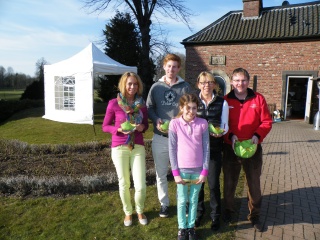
(255, 139)
(201, 180)
(179, 180)
(234, 138)
(159, 122)
(125, 132)
(217, 135)
(139, 127)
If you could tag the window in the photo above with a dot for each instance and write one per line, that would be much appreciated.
(64, 93)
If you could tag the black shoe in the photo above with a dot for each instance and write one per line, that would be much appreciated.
(164, 211)
(215, 225)
(182, 233)
(192, 234)
(198, 221)
(227, 218)
(256, 224)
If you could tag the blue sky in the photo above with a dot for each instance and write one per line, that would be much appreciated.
(58, 29)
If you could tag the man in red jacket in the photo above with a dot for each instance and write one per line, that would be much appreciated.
(249, 118)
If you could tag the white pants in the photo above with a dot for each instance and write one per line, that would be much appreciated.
(160, 153)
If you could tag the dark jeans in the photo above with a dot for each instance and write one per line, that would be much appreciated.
(252, 167)
(214, 186)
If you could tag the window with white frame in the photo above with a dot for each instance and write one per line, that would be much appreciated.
(64, 91)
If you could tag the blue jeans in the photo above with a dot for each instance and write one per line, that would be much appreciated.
(183, 197)
(124, 160)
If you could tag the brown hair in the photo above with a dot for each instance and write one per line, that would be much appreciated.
(241, 70)
(172, 57)
(123, 82)
(185, 99)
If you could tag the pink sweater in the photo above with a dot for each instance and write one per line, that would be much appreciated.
(189, 146)
(113, 119)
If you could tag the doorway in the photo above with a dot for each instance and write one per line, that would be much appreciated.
(297, 104)
(297, 95)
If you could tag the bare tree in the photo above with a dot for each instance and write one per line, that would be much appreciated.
(40, 68)
(143, 12)
(36, 89)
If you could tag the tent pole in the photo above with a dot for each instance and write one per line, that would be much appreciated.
(92, 77)
(94, 130)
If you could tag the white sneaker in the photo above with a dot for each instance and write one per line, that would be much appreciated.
(127, 223)
(143, 221)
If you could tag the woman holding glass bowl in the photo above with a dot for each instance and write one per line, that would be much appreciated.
(126, 119)
(215, 110)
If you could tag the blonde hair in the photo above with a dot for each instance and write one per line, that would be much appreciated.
(172, 57)
(185, 99)
(123, 82)
(206, 75)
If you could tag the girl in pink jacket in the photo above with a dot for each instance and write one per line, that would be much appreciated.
(189, 155)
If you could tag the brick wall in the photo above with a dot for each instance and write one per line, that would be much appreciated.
(251, 8)
(265, 60)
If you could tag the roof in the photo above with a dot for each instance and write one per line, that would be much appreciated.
(89, 59)
(296, 21)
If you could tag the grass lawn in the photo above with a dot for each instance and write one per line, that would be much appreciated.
(34, 129)
(95, 216)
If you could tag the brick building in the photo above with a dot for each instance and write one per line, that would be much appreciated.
(279, 46)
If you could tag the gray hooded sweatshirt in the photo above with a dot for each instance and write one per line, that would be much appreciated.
(163, 100)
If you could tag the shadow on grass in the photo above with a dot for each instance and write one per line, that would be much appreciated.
(23, 109)
(99, 110)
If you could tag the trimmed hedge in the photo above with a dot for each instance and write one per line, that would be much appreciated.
(48, 169)
(10, 107)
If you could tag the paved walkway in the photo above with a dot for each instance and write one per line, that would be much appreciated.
(290, 184)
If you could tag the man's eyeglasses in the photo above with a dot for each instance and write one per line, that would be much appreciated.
(205, 83)
(240, 81)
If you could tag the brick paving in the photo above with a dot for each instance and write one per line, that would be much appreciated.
(290, 185)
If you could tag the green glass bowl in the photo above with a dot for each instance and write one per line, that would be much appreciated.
(245, 149)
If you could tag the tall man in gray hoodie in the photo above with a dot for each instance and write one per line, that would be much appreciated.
(162, 104)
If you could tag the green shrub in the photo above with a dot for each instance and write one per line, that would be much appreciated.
(35, 91)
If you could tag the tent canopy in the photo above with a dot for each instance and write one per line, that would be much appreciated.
(69, 84)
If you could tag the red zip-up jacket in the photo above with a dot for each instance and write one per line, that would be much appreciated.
(249, 118)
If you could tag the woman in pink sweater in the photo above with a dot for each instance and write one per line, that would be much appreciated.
(127, 146)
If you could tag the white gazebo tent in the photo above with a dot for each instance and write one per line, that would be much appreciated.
(69, 84)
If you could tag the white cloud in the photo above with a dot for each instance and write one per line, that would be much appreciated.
(54, 30)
